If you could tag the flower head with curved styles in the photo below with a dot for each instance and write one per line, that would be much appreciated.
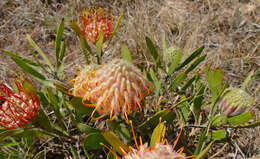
(115, 88)
(95, 19)
(158, 151)
(17, 108)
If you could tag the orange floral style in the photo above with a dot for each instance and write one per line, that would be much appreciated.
(93, 20)
(114, 88)
(16, 108)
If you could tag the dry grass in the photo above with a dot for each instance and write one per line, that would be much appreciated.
(230, 30)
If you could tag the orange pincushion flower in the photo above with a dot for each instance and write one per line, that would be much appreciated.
(16, 108)
(115, 88)
(158, 151)
(93, 20)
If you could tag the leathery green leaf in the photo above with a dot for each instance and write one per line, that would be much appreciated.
(92, 141)
(125, 53)
(158, 134)
(196, 53)
(240, 119)
(37, 48)
(218, 134)
(114, 141)
(58, 41)
(153, 52)
(100, 43)
(28, 68)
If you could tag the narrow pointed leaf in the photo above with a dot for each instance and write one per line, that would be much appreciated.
(125, 53)
(117, 26)
(153, 52)
(195, 64)
(175, 62)
(158, 134)
(14, 55)
(58, 41)
(92, 141)
(100, 43)
(74, 152)
(85, 48)
(196, 53)
(240, 119)
(87, 129)
(218, 135)
(28, 68)
(205, 151)
(115, 142)
(178, 80)
(37, 48)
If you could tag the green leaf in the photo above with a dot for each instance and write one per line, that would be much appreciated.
(240, 119)
(157, 83)
(37, 48)
(153, 52)
(184, 110)
(75, 27)
(175, 62)
(164, 47)
(62, 52)
(195, 64)
(110, 155)
(100, 43)
(201, 141)
(60, 70)
(8, 133)
(85, 48)
(218, 134)
(197, 102)
(14, 55)
(74, 152)
(205, 151)
(56, 105)
(117, 26)
(165, 115)
(125, 53)
(189, 83)
(158, 134)
(81, 109)
(28, 68)
(196, 53)
(63, 88)
(7, 144)
(178, 80)
(92, 141)
(214, 79)
(219, 120)
(115, 142)
(31, 133)
(43, 120)
(58, 41)
(87, 129)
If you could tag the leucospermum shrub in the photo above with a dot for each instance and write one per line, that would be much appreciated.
(113, 92)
